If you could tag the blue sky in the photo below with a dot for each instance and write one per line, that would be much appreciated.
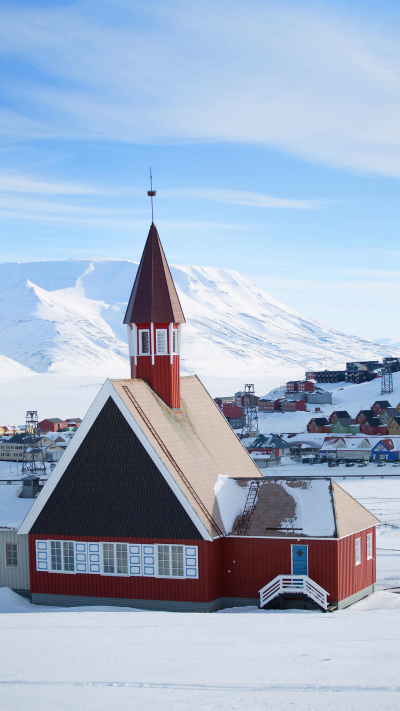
(272, 128)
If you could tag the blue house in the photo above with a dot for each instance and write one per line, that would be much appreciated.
(384, 449)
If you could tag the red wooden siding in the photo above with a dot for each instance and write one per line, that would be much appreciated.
(163, 376)
(356, 577)
(260, 560)
(204, 589)
(228, 567)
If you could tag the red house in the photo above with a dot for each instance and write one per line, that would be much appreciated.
(369, 423)
(53, 424)
(380, 405)
(292, 405)
(156, 504)
(291, 386)
(305, 386)
(269, 405)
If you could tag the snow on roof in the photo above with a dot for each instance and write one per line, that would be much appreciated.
(292, 507)
(12, 509)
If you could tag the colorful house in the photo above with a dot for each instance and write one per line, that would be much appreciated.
(393, 426)
(344, 425)
(292, 406)
(318, 424)
(385, 450)
(157, 505)
(380, 405)
(386, 415)
(234, 414)
(370, 423)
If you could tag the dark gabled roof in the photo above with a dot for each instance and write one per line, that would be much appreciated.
(54, 420)
(372, 418)
(340, 414)
(320, 421)
(391, 411)
(73, 419)
(397, 419)
(154, 298)
(383, 403)
(344, 421)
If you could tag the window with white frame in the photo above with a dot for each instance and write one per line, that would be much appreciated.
(11, 555)
(161, 341)
(174, 341)
(369, 546)
(115, 558)
(358, 551)
(144, 342)
(170, 561)
(62, 556)
(120, 559)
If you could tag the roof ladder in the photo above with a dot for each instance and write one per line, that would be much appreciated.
(244, 521)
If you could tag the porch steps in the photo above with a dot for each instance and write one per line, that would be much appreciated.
(294, 588)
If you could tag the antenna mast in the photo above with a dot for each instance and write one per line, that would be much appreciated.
(151, 193)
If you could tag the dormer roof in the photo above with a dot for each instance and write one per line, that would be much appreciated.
(154, 298)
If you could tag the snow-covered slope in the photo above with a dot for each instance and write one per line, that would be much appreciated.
(53, 314)
(66, 318)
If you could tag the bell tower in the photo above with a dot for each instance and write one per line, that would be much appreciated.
(154, 317)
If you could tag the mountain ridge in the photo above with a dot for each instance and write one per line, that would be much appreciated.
(67, 317)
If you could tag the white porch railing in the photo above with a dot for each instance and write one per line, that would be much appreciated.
(293, 584)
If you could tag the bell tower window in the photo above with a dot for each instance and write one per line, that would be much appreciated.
(161, 341)
(144, 342)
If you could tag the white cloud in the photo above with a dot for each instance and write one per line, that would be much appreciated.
(311, 82)
(242, 197)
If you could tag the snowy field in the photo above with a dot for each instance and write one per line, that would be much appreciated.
(109, 660)
(119, 659)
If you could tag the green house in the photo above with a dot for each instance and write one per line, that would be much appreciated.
(344, 425)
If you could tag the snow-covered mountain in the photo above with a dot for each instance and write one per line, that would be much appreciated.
(62, 334)
(67, 317)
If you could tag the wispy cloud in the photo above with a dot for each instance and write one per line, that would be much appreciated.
(12, 183)
(313, 83)
(242, 197)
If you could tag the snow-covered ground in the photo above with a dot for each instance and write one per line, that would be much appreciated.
(65, 319)
(123, 659)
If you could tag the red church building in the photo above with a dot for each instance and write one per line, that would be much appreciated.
(157, 505)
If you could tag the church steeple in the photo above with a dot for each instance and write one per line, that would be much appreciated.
(154, 316)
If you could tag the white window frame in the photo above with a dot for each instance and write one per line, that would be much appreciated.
(165, 349)
(63, 571)
(369, 546)
(144, 330)
(142, 559)
(11, 567)
(357, 551)
(170, 546)
(115, 574)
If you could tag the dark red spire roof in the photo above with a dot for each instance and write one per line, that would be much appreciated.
(154, 298)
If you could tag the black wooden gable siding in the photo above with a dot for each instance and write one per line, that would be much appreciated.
(113, 488)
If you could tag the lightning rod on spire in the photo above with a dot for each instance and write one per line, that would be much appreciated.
(151, 193)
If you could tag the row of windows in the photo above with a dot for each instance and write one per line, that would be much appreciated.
(122, 559)
(161, 341)
(11, 446)
(357, 555)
